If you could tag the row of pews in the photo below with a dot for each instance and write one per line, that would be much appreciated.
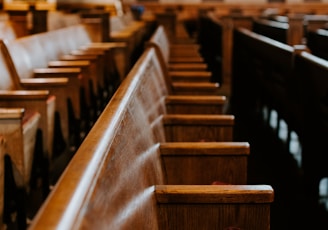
(156, 160)
(54, 85)
(148, 118)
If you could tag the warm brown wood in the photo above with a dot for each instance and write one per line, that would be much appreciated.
(111, 182)
(18, 127)
(195, 104)
(225, 206)
(181, 160)
(160, 89)
(46, 104)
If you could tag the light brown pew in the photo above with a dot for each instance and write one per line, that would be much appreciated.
(118, 179)
(18, 131)
(77, 67)
(53, 97)
(19, 128)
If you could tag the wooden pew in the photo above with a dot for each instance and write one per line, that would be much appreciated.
(185, 53)
(183, 98)
(272, 29)
(268, 65)
(56, 87)
(294, 83)
(118, 179)
(80, 68)
(312, 73)
(7, 30)
(186, 82)
(316, 40)
(134, 33)
(18, 128)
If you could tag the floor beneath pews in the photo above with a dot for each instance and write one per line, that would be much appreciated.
(270, 163)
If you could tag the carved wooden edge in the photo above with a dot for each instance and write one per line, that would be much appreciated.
(214, 194)
(191, 99)
(78, 63)
(193, 119)
(24, 94)
(11, 113)
(44, 82)
(204, 148)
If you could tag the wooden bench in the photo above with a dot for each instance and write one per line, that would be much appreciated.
(120, 175)
(134, 33)
(268, 65)
(55, 87)
(293, 83)
(183, 97)
(186, 82)
(317, 42)
(176, 53)
(80, 68)
(18, 129)
(312, 92)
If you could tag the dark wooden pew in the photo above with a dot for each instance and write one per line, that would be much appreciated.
(272, 29)
(118, 178)
(266, 66)
(313, 74)
(317, 42)
(293, 83)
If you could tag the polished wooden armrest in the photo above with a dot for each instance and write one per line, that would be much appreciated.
(194, 99)
(190, 76)
(43, 83)
(79, 63)
(105, 45)
(78, 57)
(196, 88)
(54, 72)
(204, 148)
(23, 94)
(211, 194)
(11, 113)
(192, 119)
(187, 66)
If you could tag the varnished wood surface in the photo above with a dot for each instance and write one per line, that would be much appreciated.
(18, 127)
(110, 182)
